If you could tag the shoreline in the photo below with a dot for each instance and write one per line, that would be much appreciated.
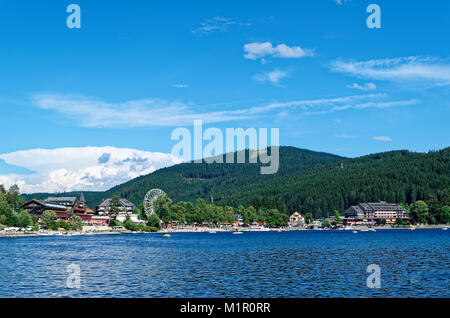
(206, 230)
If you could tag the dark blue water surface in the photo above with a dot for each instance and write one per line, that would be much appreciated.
(255, 264)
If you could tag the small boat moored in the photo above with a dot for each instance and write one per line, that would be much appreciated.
(167, 235)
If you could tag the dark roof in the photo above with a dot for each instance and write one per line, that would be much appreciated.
(82, 199)
(377, 206)
(44, 204)
(33, 200)
(61, 199)
(124, 202)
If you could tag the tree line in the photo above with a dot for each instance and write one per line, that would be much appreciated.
(203, 212)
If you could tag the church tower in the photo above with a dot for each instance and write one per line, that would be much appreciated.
(82, 205)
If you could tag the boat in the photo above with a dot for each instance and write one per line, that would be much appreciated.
(167, 235)
(212, 232)
(238, 232)
(355, 232)
(412, 228)
(372, 230)
(444, 229)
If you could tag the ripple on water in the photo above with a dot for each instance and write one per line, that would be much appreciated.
(264, 264)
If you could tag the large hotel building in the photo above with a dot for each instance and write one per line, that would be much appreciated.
(369, 213)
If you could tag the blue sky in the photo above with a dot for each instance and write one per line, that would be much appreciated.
(136, 70)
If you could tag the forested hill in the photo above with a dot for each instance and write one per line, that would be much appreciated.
(190, 181)
(307, 181)
(397, 176)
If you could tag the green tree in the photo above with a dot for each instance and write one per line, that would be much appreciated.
(154, 221)
(178, 212)
(115, 205)
(3, 219)
(400, 221)
(308, 218)
(141, 212)
(130, 225)
(326, 223)
(48, 219)
(444, 215)
(75, 223)
(64, 225)
(419, 212)
(162, 208)
(337, 217)
(190, 212)
(249, 215)
(200, 211)
(7, 211)
(24, 219)
(274, 218)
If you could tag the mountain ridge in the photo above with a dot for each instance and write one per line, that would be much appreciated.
(307, 181)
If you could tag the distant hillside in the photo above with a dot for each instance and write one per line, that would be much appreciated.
(190, 181)
(397, 176)
(307, 181)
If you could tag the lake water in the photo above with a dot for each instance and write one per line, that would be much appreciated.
(255, 264)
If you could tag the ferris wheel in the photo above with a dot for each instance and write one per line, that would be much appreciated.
(150, 199)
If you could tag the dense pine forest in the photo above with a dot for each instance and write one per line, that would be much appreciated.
(189, 181)
(397, 176)
(307, 181)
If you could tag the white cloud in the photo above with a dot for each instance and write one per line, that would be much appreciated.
(216, 24)
(364, 87)
(180, 85)
(76, 169)
(382, 138)
(90, 112)
(413, 68)
(345, 136)
(273, 77)
(330, 105)
(256, 50)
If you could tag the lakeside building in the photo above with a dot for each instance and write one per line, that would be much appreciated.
(63, 207)
(37, 207)
(296, 219)
(125, 208)
(238, 220)
(369, 213)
